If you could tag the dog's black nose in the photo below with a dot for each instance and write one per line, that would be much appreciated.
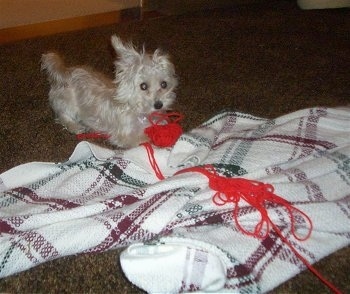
(158, 104)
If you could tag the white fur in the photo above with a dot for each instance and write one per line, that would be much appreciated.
(84, 100)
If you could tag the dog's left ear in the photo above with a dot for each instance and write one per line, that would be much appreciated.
(162, 59)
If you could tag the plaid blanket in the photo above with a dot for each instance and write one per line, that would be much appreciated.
(177, 239)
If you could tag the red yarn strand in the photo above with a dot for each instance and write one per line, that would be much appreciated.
(332, 287)
(152, 160)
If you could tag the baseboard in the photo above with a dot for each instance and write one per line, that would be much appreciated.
(8, 35)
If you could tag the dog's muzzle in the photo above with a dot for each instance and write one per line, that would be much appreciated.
(158, 104)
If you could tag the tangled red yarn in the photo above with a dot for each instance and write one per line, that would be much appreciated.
(165, 129)
(256, 194)
(163, 132)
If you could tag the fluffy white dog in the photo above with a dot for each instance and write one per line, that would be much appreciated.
(84, 100)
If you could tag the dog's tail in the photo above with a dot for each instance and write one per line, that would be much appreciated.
(53, 64)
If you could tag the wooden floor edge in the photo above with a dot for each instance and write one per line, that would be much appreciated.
(8, 35)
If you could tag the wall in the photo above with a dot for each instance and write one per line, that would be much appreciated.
(15, 13)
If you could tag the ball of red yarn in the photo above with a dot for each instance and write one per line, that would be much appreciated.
(164, 135)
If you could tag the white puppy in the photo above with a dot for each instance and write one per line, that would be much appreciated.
(87, 101)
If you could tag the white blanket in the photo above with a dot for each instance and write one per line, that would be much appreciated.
(178, 239)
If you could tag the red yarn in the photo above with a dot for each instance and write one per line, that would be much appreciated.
(152, 160)
(164, 130)
(232, 190)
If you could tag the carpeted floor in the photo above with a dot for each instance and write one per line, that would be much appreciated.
(268, 59)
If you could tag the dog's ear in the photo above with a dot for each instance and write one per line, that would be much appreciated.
(163, 60)
(126, 52)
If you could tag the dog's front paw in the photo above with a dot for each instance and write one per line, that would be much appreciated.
(72, 126)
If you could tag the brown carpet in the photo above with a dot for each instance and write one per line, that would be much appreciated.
(267, 59)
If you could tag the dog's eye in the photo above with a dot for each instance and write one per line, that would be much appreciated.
(143, 86)
(163, 84)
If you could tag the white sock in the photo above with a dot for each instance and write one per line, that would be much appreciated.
(173, 267)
